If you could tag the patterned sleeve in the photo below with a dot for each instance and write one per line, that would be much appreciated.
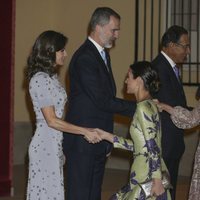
(150, 125)
(184, 118)
(41, 86)
(122, 143)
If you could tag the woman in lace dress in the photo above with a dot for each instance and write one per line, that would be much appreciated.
(186, 119)
(48, 96)
(145, 132)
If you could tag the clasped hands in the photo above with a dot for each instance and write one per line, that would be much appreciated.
(95, 135)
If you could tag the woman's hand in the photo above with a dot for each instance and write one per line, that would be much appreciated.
(163, 106)
(159, 105)
(157, 187)
(105, 135)
(92, 136)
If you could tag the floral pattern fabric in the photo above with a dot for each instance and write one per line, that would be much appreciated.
(45, 181)
(145, 143)
(184, 118)
(194, 193)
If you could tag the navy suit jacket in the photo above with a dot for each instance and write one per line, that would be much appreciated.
(172, 93)
(92, 100)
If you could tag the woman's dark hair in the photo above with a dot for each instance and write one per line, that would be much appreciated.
(43, 55)
(173, 34)
(149, 76)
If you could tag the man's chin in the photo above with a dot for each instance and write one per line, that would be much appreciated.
(108, 46)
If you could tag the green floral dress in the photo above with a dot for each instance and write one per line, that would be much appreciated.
(145, 131)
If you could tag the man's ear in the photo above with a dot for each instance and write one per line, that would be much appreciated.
(98, 27)
(171, 44)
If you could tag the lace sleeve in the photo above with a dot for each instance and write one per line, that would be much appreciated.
(184, 118)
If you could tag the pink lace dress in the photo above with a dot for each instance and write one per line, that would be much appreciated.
(185, 119)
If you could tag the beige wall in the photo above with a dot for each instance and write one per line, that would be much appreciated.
(71, 18)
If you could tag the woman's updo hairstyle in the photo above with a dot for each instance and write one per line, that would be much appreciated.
(149, 75)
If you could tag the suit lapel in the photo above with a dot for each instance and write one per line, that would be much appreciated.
(103, 65)
(176, 83)
(110, 73)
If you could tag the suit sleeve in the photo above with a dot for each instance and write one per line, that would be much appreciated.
(96, 85)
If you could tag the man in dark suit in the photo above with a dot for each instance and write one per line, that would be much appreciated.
(175, 49)
(92, 103)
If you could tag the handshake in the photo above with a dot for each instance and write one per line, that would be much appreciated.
(97, 135)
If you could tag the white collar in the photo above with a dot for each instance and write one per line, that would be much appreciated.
(99, 48)
(171, 62)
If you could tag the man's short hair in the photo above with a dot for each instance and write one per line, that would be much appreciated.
(101, 16)
(173, 34)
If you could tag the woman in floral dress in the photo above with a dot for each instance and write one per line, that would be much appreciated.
(45, 180)
(186, 119)
(145, 143)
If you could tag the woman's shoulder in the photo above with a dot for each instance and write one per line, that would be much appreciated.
(40, 79)
(39, 76)
(149, 103)
(147, 106)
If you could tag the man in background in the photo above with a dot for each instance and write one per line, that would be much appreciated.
(175, 47)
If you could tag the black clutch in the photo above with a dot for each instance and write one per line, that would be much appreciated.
(147, 185)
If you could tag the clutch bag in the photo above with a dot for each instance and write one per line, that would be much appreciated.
(147, 185)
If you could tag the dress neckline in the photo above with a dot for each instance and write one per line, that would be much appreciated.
(144, 100)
